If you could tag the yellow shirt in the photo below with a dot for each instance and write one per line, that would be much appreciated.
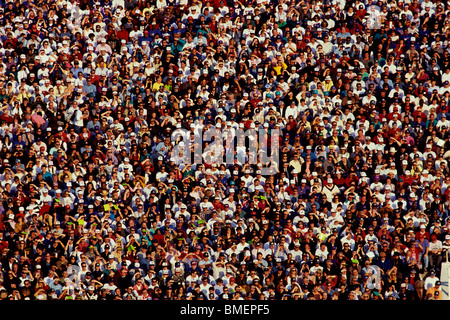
(431, 291)
(278, 69)
(327, 86)
(156, 86)
(419, 170)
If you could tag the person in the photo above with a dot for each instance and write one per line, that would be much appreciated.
(435, 253)
(431, 280)
(434, 293)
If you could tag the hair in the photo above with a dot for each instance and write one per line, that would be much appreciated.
(418, 284)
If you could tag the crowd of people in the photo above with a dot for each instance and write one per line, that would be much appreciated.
(96, 206)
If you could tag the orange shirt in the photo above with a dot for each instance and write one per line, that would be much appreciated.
(431, 291)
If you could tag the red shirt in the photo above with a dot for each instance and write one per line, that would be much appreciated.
(123, 34)
(83, 247)
(426, 233)
(218, 205)
(339, 182)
